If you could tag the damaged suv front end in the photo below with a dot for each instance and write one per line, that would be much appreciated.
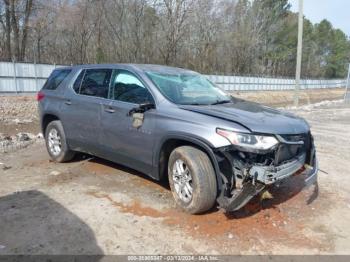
(251, 146)
(254, 161)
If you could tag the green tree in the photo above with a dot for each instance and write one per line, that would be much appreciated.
(338, 58)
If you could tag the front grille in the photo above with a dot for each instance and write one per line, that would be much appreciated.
(287, 152)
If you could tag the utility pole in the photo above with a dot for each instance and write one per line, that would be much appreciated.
(346, 95)
(299, 53)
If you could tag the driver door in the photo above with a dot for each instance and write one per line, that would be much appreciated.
(122, 142)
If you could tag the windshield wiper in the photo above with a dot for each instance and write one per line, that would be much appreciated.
(194, 104)
(218, 102)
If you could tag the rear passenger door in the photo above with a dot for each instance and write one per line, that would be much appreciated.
(82, 109)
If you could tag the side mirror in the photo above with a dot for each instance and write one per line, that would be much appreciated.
(142, 108)
(147, 106)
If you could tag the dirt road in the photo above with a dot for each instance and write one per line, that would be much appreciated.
(91, 206)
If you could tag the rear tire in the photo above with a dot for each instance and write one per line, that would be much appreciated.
(56, 142)
(192, 179)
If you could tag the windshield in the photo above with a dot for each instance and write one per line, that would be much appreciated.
(188, 89)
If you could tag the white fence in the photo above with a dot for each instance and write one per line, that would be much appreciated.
(243, 83)
(25, 77)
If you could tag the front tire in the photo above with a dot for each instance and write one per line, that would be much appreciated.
(56, 142)
(192, 179)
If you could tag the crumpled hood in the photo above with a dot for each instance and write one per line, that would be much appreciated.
(257, 118)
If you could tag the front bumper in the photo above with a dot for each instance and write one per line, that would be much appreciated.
(271, 174)
(261, 176)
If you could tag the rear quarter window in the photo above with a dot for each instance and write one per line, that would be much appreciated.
(56, 78)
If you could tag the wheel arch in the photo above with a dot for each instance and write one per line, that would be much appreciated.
(46, 119)
(170, 142)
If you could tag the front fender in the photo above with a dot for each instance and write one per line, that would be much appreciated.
(206, 146)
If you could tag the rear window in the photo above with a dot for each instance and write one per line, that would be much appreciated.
(56, 78)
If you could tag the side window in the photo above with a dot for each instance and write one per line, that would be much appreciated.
(127, 88)
(96, 82)
(77, 82)
(56, 78)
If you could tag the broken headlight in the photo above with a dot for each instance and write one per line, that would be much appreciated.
(248, 140)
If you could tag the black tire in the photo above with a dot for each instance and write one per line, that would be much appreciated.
(65, 154)
(203, 179)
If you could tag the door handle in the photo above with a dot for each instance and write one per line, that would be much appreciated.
(68, 102)
(109, 110)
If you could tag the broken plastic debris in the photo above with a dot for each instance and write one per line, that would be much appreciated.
(54, 173)
(24, 121)
(266, 195)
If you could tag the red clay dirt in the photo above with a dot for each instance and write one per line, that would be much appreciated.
(267, 219)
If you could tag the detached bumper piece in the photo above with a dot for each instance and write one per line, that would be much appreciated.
(240, 197)
(244, 174)
(310, 173)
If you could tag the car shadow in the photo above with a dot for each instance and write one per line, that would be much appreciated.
(288, 188)
(31, 223)
(163, 182)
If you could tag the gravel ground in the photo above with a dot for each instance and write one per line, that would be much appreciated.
(92, 206)
(286, 98)
(18, 114)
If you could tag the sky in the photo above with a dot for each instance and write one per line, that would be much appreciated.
(335, 11)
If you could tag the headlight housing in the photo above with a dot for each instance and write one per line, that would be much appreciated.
(252, 141)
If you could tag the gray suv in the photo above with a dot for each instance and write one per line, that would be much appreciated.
(173, 123)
